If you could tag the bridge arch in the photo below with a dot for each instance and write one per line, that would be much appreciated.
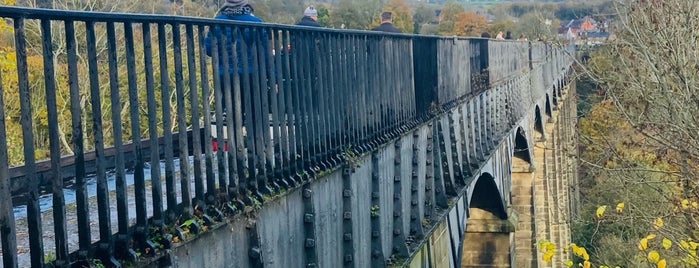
(486, 201)
(538, 122)
(488, 237)
(521, 150)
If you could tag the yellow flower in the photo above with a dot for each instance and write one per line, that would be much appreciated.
(600, 211)
(620, 207)
(653, 256)
(643, 244)
(658, 223)
(667, 243)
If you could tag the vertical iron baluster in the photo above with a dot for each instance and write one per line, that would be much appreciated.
(356, 75)
(171, 194)
(120, 181)
(138, 160)
(355, 106)
(364, 101)
(36, 244)
(283, 116)
(260, 69)
(246, 90)
(321, 112)
(182, 123)
(309, 105)
(205, 96)
(401, 88)
(411, 77)
(299, 92)
(237, 112)
(156, 184)
(195, 117)
(338, 44)
(276, 93)
(372, 89)
(406, 89)
(105, 225)
(267, 83)
(249, 120)
(8, 234)
(219, 44)
(227, 53)
(328, 53)
(291, 108)
(381, 110)
(59, 212)
(261, 120)
(333, 72)
(381, 88)
(304, 90)
(81, 202)
(385, 86)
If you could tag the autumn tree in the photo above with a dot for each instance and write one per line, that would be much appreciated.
(469, 24)
(640, 147)
(448, 16)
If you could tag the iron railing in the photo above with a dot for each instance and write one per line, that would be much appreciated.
(154, 120)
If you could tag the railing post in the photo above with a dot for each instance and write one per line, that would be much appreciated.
(36, 244)
(7, 217)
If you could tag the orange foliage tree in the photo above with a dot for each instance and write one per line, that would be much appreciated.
(469, 24)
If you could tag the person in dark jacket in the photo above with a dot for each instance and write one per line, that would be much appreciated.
(251, 46)
(310, 18)
(238, 10)
(387, 24)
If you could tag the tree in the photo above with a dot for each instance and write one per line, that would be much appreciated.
(449, 14)
(502, 25)
(640, 146)
(469, 24)
(323, 15)
(423, 14)
(355, 14)
(279, 11)
(537, 25)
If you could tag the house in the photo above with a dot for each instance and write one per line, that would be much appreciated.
(584, 29)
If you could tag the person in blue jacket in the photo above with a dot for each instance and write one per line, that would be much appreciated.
(241, 10)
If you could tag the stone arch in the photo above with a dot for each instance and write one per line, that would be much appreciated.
(554, 100)
(522, 151)
(538, 121)
(486, 201)
(489, 236)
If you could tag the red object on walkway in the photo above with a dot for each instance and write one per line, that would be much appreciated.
(214, 145)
